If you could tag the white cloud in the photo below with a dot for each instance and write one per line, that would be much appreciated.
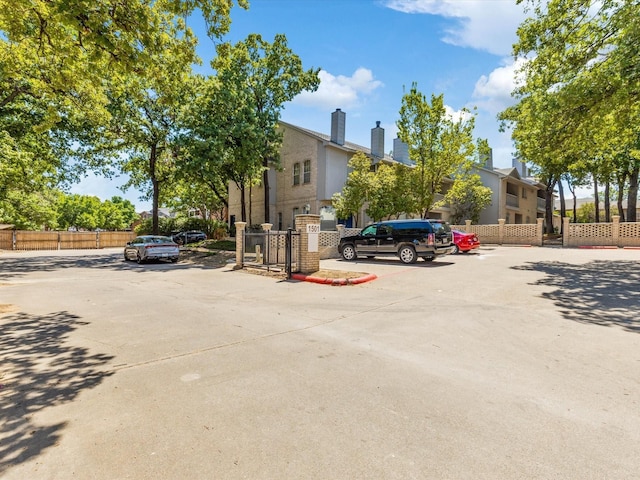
(493, 92)
(457, 115)
(340, 91)
(481, 24)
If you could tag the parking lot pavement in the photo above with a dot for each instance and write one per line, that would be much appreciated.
(508, 363)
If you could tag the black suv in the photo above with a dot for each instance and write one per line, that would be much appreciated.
(408, 239)
(192, 236)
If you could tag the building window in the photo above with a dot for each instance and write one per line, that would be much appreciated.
(307, 171)
(296, 173)
(279, 221)
(524, 193)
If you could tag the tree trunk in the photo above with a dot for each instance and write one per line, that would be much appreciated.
(596, 199)
(622, 179)
(573, 195)
(549, 205)
(607, 202)
(632, 198)
(265, 184)
(243, 204)
(250, 204)
(156, 189)
(563, 207)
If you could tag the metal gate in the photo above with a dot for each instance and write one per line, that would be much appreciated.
(272, 250)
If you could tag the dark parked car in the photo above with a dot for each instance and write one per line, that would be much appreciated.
(407, 239)
(464, 242)
(151, 247)
(191, 236)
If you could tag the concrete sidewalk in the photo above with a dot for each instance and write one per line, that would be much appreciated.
(510, 363)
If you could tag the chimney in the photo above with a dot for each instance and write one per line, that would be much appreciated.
(338, 119)
(521, 167)
(377, 141)
(400, 151)
(487, 160)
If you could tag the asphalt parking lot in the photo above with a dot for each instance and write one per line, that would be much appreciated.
(512, 363)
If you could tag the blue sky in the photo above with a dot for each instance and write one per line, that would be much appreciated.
(369, 51)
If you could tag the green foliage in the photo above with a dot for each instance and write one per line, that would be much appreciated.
(168, 226)
(579, 94)
(439, 145)
(467, 197)
(586, 213)
(29, 210)
(389, 192)
(356, 189)
(233, 134)
(84, 212)
(66, 66)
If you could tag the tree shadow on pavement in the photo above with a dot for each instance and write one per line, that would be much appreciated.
(39, 370)
(16, 266)
(599, 292)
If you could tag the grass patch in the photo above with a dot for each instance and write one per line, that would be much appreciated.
(228, 245)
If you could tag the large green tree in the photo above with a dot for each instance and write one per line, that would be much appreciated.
(59, 59)
(257, 78)
(438, 144)
(147, 116)
(579, 90)
(356, 190)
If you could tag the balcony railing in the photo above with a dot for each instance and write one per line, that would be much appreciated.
(513, 200)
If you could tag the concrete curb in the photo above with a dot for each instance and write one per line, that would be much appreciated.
(334, 281)
(598, 247)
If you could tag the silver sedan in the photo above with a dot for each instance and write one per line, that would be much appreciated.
(151, 247)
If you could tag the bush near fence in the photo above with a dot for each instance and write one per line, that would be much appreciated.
(30, 240)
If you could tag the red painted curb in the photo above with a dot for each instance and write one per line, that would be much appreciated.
(631, 248)
(333, 281)
(366, 278)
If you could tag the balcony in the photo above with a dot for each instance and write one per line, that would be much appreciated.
(513, 201)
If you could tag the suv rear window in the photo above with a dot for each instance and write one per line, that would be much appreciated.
(440, 227)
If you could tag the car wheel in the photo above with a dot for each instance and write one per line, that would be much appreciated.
(138, 258)
(174, 260)
(407, 254)
(456, 250)
(126, 259)
(349, 252)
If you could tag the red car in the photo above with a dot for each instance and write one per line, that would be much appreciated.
(464, 242)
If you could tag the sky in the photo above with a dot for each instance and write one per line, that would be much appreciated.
(369, 52)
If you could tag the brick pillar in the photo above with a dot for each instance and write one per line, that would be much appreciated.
(501, 230)
(615, 230)
(340, 229)
(309, 260)
(240, 226)
(565, 232)
(540, 232)
(467, 226)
